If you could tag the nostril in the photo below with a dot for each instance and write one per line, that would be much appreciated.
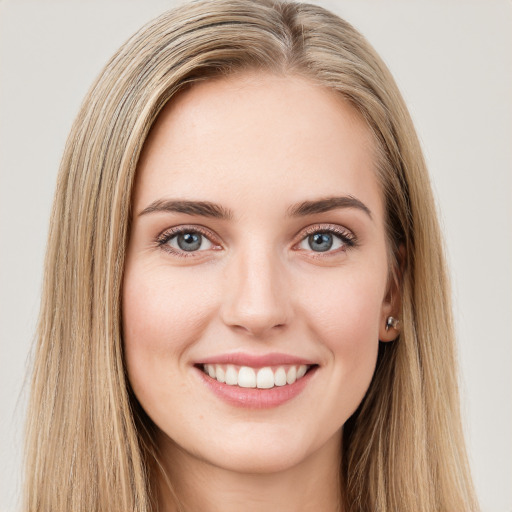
(258, 328)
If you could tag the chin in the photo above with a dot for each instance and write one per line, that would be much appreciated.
(271, 451)
(256, 462)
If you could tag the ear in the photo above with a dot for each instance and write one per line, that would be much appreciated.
(390, 320)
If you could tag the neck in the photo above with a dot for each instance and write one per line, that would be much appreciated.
(311, 485)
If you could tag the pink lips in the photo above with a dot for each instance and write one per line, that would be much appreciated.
(255, 361)
(255, 398)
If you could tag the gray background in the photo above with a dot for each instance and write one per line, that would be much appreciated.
(453, 62)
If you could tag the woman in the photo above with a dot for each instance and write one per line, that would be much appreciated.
(245, 301)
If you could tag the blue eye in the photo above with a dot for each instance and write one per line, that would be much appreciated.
(189, 241)
(320, 242)
(184, 240)
(332, 239)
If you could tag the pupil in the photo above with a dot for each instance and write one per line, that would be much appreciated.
(189, 241)
(320, 242)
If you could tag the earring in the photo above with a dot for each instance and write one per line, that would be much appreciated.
(392, 322)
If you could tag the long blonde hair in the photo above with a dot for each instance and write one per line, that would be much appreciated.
(89, 444)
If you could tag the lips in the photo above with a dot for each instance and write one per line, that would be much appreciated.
(256, 361)
(256, 381)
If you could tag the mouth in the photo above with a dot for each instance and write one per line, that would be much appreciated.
(256, 382)
(248, 377)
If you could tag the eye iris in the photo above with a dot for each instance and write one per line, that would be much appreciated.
(189, 241)
(320, 241)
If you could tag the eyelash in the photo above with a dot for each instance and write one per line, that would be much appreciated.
(347, 238)
(163, 239)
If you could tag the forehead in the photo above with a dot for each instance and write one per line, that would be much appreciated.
(258, 137)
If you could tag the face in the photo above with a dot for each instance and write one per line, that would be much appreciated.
(256, 280)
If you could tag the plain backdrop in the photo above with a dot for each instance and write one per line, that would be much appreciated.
(453, 62)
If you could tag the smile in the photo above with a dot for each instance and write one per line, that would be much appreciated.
(261, 378)
(256, 382)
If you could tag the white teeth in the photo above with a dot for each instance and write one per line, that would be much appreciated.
(263, 378)
(280, 377)
(246, 377)
(220, 374)
(231, 375)
(211, 370)
(300, 372)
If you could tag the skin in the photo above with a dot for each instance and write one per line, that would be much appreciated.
(256, 144)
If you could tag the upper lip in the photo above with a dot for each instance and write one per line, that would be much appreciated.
(256, 361)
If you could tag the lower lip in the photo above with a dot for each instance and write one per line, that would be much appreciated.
(255, 398)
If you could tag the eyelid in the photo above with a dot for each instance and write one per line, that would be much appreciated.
(348, 238)
(333, 228)
(169, 233)
(175, 230)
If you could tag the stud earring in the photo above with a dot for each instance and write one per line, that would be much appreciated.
(392, 322)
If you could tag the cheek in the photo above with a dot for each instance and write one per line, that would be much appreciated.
(162, 318)
(161, 311)
(347, 308)
(345, 317)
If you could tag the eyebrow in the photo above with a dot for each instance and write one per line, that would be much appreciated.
(213, 210)
(327, 204)
(201, 208)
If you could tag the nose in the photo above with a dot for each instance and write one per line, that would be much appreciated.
(257, 298)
